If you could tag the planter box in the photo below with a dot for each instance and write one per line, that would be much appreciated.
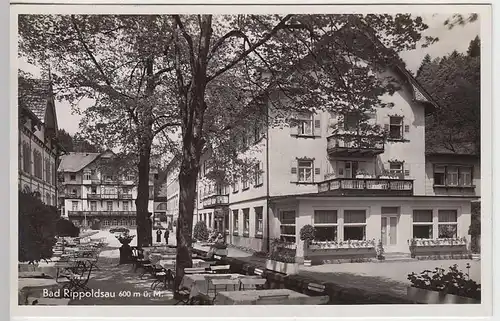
(440, 249)
(322, 255)
(281, 267)
(435, 297)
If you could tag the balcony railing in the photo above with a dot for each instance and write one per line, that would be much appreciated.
(125, 196)
(215, 200)
(101, 213)
(352, 145)
(366, 186)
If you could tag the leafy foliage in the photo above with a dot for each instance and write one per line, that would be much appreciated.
(200, 232)
(307, 233)
(119, 230)
(66, 228)
(454, 81)
(37, 228)
(74, 144)
(452, 282)
(282, 251)
(125, 238)
(380, 250)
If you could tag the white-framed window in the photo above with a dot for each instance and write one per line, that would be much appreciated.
(93, 206)
(447, 223)
(452, 175)
(106, 222)
(125, 205)
(246, 221)
(305, 170)
(287, 225)
(305, 125)
(257, 178)
(74, 206)
(259, 223)
(109, 205)
(235, 184)
(114, 222)
(422, 224)
(354, 225)
(87, 176)
(326, 225)
(396, 127)
(244, 183)
(235, 221)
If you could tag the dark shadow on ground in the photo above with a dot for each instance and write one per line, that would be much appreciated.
(374, 284)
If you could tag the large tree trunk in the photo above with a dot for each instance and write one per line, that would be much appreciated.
(141, 203)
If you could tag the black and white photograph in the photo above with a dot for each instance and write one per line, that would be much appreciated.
(270, 158)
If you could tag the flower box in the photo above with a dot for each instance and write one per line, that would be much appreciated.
(435, 297)
(328, 245)
(282, 267)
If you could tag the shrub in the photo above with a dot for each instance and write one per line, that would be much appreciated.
(307, 233)
(453, 282)
(380, 250)
(200, 232)
(119, 230)
(282, 252)
(37, 228)
(66, 228)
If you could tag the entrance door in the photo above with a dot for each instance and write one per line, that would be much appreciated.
(389, 232)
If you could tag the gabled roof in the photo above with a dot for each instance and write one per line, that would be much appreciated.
(75, 162)
(34, 95)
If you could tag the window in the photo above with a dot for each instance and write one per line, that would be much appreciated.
(26, 158)
(53, 178)
(325, 223)
(114, 222)
(109, 205)
(125, 205)
(37, 163)
(439, 175)
(235, 222)
(244, 183)
(305, 125)
(246, 221)
(453, 176)
(235, 184)
(396, 127)
(93, 190)
(72, 177)
(74, 206)
(258, 130)
(259, 226)
(130, 177)
(422, 224)
(205, 218)
(351, 121)
(257, 178)
(305, 171)
(447, 226)
(396, 168)
(47, 199)
(287, 227)
(93, 206)
(47, 171)
(105, 222)
(86, 176)
(354, 224)
(226, 222)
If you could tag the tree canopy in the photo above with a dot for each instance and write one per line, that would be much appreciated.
(455, 82)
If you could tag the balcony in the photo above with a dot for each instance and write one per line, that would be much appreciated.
(100, 213)
(127, 196)
(352, 145)
(366, 187)
(215, 201)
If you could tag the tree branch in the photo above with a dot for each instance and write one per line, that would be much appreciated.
(162, 127)
(186, 36)
(259, 43)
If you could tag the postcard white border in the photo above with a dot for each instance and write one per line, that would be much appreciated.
(379, 311)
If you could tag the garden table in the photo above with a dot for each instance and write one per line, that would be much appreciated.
(199, 283)
(34, 287)
(272, 297)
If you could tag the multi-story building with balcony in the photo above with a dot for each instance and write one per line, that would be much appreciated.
(167, 193)
(96, 193)
(38, 147)
(348, 186)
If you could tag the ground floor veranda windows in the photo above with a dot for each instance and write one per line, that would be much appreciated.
(430, 224)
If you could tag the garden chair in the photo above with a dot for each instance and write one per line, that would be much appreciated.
(222, 284)
(163, 276)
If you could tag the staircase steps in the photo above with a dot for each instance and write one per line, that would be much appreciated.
(397, 257)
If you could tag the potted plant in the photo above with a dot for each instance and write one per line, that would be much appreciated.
(282, 258)
(380, 251)
(307, 234)
(438, 287)
(412, 244)
(362, 173)
(125, 251)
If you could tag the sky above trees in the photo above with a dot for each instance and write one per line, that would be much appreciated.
(457, 39)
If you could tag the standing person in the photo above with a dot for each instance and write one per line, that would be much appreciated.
(166, 235)
(158, 236)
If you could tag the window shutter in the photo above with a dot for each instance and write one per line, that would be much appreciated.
(317, 171)
(317, 125)
(407, 128)
(407, 172)
(293, 171)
